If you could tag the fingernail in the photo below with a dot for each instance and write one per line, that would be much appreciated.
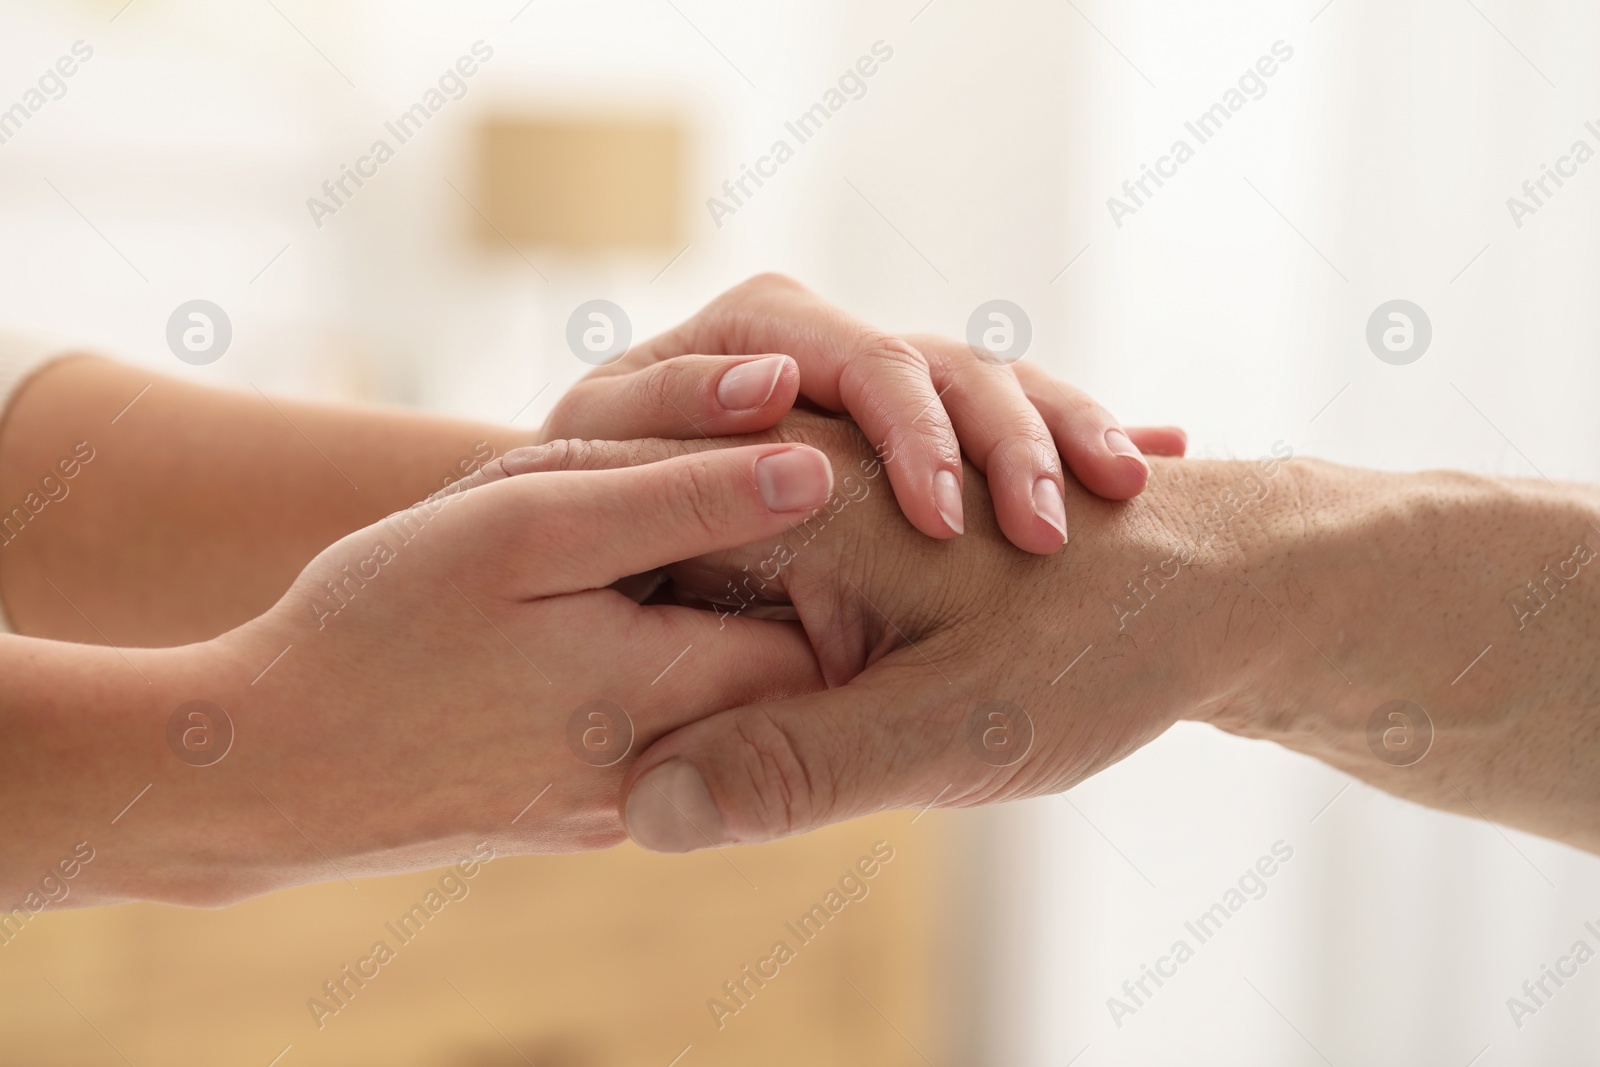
(1049, 506)
(749, 385)
(947, 498)
(794, 478)
(671, 810)
(1122, 445)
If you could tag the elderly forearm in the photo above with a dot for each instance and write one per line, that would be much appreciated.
(1474, 600)
(188, 509)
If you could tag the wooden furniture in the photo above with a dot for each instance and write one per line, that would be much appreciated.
(563, 961)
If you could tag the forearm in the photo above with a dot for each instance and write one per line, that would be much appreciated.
(164, 775)
(198, 506)
(1475, 599)
(92, 799)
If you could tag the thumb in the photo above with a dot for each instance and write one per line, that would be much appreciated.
(765, 771)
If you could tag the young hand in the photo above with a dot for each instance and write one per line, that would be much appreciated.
(457, 673)
(922, 401)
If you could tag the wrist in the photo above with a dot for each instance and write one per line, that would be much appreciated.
(1144, 598)
(1288, 612)
(92, 774)
(204, 738)
(1181, 598)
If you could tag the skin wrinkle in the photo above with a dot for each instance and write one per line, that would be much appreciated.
(776, 762)
(1327, 573)
(658, 389)
(1330, 547)
(873, 406)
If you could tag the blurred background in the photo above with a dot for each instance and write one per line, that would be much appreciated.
(577, 162)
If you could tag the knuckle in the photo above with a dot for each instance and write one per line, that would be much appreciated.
(945, 356)
(694, 490)
(571, 454)
(877, 359)
(787, 796)
(875, 347)
(1033, 436)
(964, 369)
(1027, 450)
(651, 390)
(768, 280)
(581, 455)
(557, 454)
(666, 388)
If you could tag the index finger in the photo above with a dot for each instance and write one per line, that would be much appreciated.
(587, 529)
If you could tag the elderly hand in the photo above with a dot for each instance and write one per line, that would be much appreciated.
(1289, 602)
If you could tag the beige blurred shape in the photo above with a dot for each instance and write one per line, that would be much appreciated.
(589, 186)
(593, 960)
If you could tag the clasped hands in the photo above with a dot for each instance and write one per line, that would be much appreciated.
(773, 569)
(791, 617)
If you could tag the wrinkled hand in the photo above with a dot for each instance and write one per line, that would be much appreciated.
(739, 364)
(948, 660)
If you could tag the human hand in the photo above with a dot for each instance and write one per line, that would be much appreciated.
(960, 669)
(1257, 596)
(920, 400)
(414, 692)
